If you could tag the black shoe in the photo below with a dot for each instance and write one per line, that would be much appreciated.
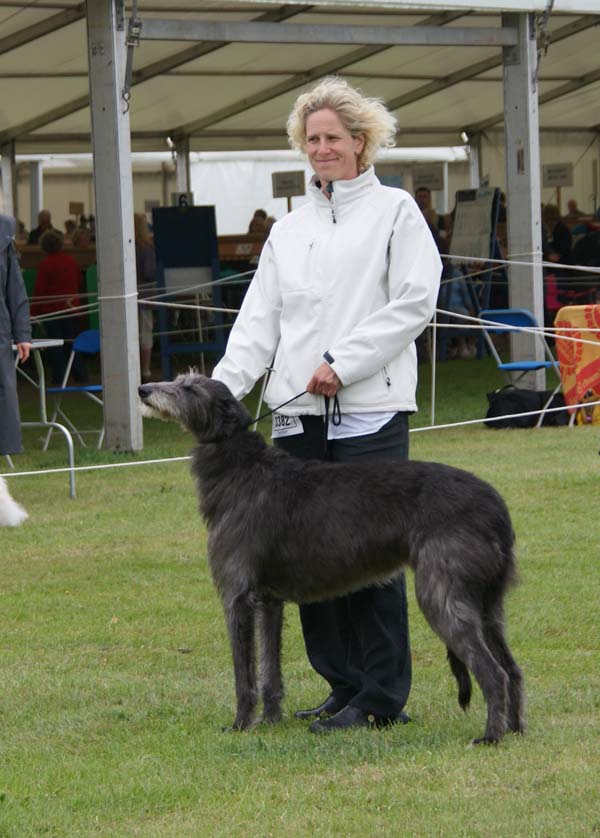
(350, 717)
(330, 706)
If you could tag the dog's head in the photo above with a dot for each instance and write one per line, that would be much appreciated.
(201, 405)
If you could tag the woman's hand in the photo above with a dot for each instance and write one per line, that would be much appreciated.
(23, 350)
(324, 381)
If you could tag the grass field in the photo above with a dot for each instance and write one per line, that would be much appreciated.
(115, 672)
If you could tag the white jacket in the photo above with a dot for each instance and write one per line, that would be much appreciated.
(353, 280)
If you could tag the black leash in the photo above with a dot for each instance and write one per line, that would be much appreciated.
(336, 413)
(275, 409)
(336, 418)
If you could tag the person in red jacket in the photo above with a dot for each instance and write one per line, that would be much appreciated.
(56, 290)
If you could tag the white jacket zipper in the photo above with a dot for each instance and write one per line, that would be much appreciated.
(330, 191)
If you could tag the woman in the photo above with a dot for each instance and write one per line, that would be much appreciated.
(14, 327)
(145, 264)
(56, 291)
(345, 285)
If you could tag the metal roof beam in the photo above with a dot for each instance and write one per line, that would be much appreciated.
(45, 119)
(550, 96)
(48, 139)
(277, 90)
(138, 76)
(44, 27)
(245, 73)
(570, 86)
(302, 33)
(299, 79)
(473, 70)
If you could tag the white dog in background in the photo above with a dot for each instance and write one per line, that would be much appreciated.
(11, 513)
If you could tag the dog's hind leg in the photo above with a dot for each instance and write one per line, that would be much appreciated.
(469, 645)
(240, 613)
(461, 673)
(495, 637)
(458, 622)
(271, 626)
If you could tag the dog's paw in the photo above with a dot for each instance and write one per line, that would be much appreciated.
(271, 713)
(485, 740)
(236, 727)
(271, 718)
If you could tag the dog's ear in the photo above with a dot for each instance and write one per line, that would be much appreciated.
(229, 416)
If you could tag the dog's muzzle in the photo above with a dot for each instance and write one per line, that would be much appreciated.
(144, 391)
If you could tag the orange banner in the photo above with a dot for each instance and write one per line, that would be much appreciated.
(579, 362)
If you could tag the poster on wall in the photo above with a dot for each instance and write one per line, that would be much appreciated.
(557, 174)
(473, 222)
(430, 176)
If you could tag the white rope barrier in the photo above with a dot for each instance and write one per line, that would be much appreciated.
(504, 328)
(503, 417)
(446, 426)
(98, 467)
(160, 303)
(538, 262)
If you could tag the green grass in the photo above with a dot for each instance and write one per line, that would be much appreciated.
(115, 672)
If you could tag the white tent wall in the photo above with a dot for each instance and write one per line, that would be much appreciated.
(60, 188)
(239, 184)
(58, 191)
(580, 149)
(237, 187)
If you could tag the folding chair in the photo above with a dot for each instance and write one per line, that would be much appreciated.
(86, 343)
(508, 320)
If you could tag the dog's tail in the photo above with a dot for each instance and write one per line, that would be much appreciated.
(461, 673)
(11, 513)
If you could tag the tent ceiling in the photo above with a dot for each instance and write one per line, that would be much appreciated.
(237, 95)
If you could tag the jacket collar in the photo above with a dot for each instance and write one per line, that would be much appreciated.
(345, 192)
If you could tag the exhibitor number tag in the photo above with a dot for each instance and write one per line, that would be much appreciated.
(286, 425)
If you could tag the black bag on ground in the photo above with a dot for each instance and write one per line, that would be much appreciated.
(509, 400)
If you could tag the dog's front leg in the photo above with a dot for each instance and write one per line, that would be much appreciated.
(240, 621)
(271, 624)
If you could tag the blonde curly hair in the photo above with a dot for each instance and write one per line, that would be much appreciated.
(360, 115)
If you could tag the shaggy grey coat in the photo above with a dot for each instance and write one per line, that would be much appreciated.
(282, 529)
(14, 328)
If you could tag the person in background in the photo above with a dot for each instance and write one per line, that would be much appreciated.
(22, 233)
(258, 222)
(56, 291)
(15, 328)
(81, 237)
(458, 300)
(502, 209)
(344, 286)
(44, 224)
(70, 228)
(573, 211)
(423, 199)
(145, 265)
(556, 236)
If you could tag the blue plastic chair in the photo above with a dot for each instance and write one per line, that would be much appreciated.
(87, 343)
(508, 320)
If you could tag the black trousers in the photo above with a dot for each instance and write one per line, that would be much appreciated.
(359, 643)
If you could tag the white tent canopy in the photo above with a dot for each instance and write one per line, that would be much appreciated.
(226, 94)
(223, 75)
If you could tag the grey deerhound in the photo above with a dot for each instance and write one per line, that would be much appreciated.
(283, 529)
